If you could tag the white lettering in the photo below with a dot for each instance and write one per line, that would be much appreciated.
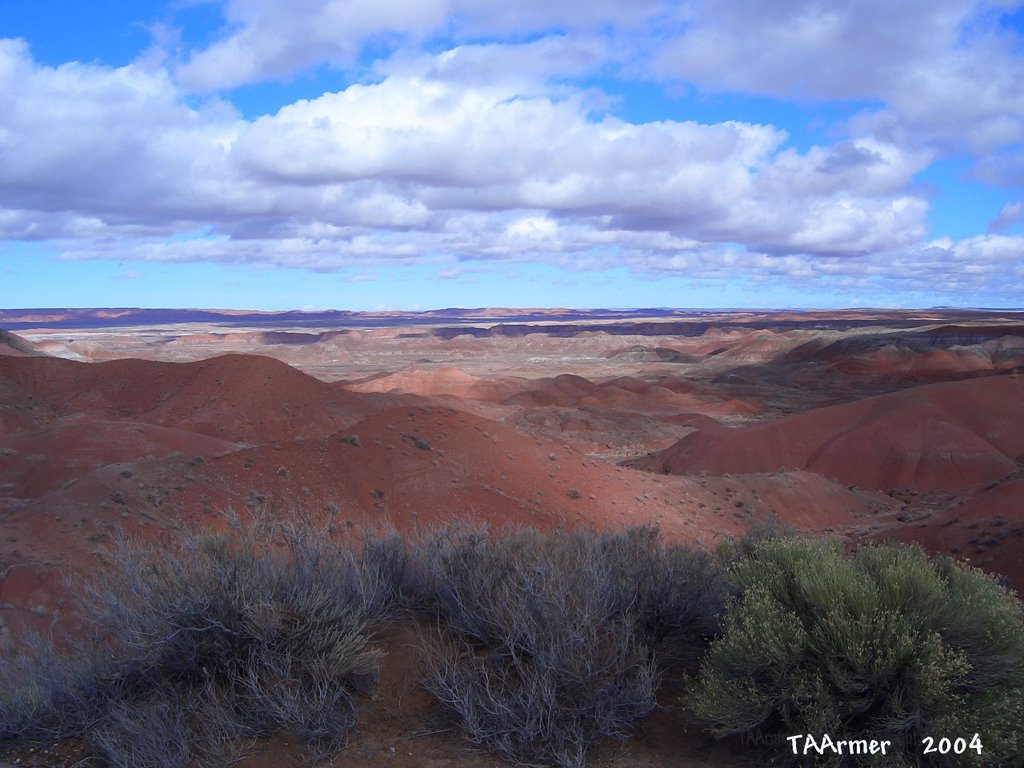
(827, 743)
(837, 747)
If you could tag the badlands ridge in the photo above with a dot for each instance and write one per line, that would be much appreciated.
(905, 425)
(901, 425)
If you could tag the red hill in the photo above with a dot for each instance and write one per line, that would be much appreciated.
(241, 398)
(952, 435)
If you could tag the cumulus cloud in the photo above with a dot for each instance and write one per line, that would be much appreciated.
(83, 143)
(1004, 168)
(960, 269)
(853, 49)
(273, 39)
(978, 265)
(455, 148)
(447, 161)
(89, 148)
(527, 67)
(940, 71)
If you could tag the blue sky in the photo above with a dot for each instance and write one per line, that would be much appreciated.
(415, 154)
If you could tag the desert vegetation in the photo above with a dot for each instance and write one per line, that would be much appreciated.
(187, 653)
(538, 646)
(884, 643)
(550, 643)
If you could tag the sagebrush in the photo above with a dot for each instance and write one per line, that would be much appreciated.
(540, 645)
(548, 641)
(884, 643)
(189, 652)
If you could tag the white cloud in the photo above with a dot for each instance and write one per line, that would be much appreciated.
(1004, 168)
(452, 148)
(527, 67)
(532, 228)
(940, 71)
(962, 269)
(943, 71)
(938, 75)
(806, 48)
(84, 144)
(1011, 213)
(274, 39)
(437, 165)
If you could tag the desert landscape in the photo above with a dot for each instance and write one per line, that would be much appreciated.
(470, 383)
(887, 425)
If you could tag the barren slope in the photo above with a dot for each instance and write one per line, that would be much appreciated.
(952, 435)
(510, 421)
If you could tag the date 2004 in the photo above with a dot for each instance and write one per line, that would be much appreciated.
(931, 745)
(946, 746)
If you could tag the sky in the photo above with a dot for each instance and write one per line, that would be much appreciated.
(420, 154)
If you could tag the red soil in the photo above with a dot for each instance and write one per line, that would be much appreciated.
(952, 435)
(987, 529)
(436, 381)
(241, 398)
(664, 396)
(903, 365)
(150, 448)
(42, 460)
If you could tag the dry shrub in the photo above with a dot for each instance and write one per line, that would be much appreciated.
(191, 652)
(547, 641)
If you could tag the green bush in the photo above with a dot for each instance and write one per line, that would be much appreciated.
(881, 644)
